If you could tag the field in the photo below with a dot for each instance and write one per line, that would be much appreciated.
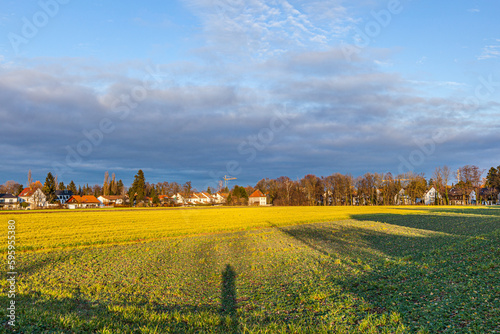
(257, 270)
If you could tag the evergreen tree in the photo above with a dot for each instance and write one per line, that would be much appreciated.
(154, 196)
(137, 191)
(493, 178)
(62, 186)
(19, 190)
(119, 187)
(72, 187)
(49, 188)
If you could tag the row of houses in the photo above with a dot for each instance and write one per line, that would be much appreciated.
(456, 196)
(35, 198)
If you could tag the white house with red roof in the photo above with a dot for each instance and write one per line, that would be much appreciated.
(257, 198)
(35, 197)
(218, 198)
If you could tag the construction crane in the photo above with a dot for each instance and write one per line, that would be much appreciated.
(397, 180)
(227, 178)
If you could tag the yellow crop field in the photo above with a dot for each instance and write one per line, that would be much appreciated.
(67, 229)
(254, 270)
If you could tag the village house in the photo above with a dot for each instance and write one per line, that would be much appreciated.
(62, 196)
(178, 199)
(83, 202)
(401, 198)
(257, 198)
(459, 196)
(219, 199)
(165, 199)
(9, 202)
(112, 200)
(34, 197)
(489, 196)
(430, 196)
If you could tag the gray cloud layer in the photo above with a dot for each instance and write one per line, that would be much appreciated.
(300, 112)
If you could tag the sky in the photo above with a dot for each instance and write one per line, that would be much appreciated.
(193, 90)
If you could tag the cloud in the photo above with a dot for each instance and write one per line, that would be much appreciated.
(490, 51)
(262, 29)
(303, 111)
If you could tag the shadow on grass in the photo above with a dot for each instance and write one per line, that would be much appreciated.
(229, 320)
(437, 281)
(479, 210)
(37, 313)
(451, 224)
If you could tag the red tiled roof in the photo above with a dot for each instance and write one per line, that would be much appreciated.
(257, 193)
(27, 192)
(84, 199)
(113, 197)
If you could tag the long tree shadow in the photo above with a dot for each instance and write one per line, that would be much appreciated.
(435, 271)
(457, 210)
(228, 310)
(451, 224)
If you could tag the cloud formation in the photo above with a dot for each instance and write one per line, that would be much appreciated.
(348, 117)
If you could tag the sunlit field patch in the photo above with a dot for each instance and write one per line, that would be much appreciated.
(259, 270)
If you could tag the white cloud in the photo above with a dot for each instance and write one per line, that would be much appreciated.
(261, 28)
(490, 51)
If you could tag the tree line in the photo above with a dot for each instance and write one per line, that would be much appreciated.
(335, 189)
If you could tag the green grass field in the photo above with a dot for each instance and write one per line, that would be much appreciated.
(257, 270)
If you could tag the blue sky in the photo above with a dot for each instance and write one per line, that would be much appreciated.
(197, 89)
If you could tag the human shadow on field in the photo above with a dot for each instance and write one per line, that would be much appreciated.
(42, 312)
(228, 311)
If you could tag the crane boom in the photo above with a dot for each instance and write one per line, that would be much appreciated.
(227, 178)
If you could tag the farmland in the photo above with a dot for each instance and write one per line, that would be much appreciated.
(258, 270)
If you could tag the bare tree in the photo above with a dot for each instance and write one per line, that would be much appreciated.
(470, 178)
(114, 185)
(106, 185)
(30, 180)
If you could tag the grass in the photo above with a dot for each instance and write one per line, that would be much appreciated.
(261, 270)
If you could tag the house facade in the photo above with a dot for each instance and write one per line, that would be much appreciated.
(62, 196)
(257, 198)
(178, 199)
(9, 202)
(83, 202)
(218, 198)
(489, 196)
(35, 197)
(430, 196)
(112, 200)
(461, 197)
(402, 198)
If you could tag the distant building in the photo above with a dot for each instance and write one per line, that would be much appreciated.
(178, 199)
(459, 196)
(9, 202)
(430, 196)
(35, 197)
(218, 198)
(489, 196)
(62, 196)
(83, 202)
(401, 198)
(112, 200)
(257, 198)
